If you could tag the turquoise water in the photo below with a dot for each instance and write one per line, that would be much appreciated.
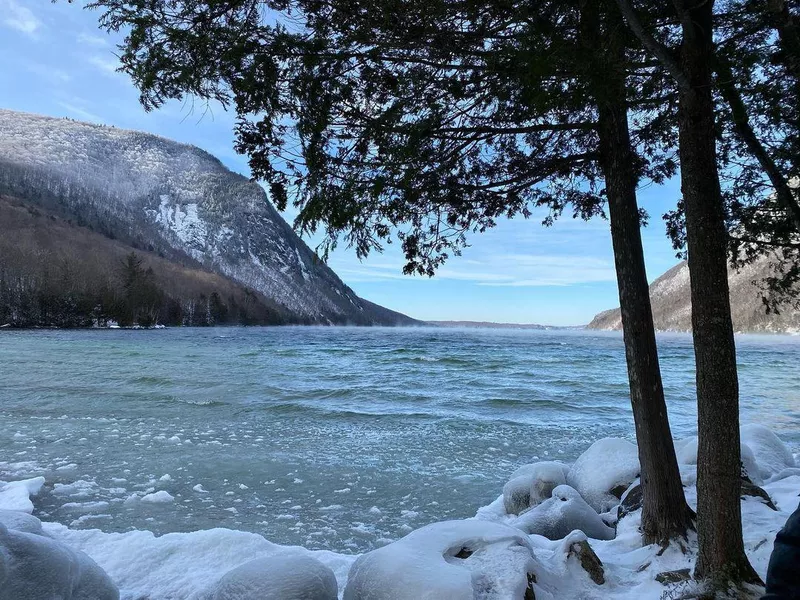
(331, 438)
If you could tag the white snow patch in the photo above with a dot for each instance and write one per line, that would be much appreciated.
(16, 495)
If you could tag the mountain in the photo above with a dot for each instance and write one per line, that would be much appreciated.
(671, 299)
(177, 203)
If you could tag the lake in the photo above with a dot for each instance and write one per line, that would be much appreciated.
(331, 438)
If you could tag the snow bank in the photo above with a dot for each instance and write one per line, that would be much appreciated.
(604, 472)
(286, 577)
(16, 495)
(561, 514)
(180, 565)
(452, 560)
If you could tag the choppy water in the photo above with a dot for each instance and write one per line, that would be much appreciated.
(327, 437)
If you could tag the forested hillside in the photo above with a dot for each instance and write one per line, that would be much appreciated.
(167, 201)
(56, 273)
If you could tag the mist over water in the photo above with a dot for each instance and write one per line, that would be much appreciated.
(332, 438)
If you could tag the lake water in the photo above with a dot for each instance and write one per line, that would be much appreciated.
(332, 438)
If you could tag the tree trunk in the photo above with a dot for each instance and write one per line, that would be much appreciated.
(665, 513)
(721, 559)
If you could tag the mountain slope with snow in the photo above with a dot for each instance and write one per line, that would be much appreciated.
(159, 195)
(672, 307)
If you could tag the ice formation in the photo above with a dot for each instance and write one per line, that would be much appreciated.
(494, 556)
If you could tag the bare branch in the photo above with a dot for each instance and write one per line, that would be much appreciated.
(659, 50)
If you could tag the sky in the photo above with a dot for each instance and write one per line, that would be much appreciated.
(54, 60)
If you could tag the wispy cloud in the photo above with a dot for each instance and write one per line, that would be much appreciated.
(19, 17)
(497, 270)
(95, 41)
(106, 64)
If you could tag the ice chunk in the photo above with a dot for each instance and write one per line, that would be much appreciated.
(282, 577)
(33, 566)
(604, 471)
(159, 497)
(77, 489)
(451, 560)
(16, 495)
(771, 455)
(562, 514)
(532, 484)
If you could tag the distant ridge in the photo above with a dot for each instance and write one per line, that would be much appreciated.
(672, 307)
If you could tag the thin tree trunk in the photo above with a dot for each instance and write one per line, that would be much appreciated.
(721, 558)
(665, 513)
(783, 191)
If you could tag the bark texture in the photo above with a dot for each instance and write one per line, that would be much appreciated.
(665, 513)
(721, 558)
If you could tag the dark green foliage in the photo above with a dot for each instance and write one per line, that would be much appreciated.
(757, 100)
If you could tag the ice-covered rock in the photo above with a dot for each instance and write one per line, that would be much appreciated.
(631, 500)
(452, 560)
(578, 549)
(604, 472)
(20, 521)
(532, 484)
(751, 490)
(282, 577)
(34, 567)
(16, 495)
(687, 455)
(562, 514)
(771, 454)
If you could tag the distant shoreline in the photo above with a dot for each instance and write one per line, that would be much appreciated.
(493, 325)
(420, 325)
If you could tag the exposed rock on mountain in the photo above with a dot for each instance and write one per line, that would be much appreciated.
(672, 308)
(179, 203)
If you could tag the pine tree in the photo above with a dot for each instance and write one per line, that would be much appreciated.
(721, 558)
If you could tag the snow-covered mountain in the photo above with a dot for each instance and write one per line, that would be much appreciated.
(179, 201)
(672, 307)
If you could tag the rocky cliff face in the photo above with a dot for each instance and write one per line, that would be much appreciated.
(178, 201)
(672, 307)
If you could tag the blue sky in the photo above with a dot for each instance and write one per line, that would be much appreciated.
(55, 61)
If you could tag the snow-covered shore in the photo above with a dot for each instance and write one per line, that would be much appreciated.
(532, 538)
